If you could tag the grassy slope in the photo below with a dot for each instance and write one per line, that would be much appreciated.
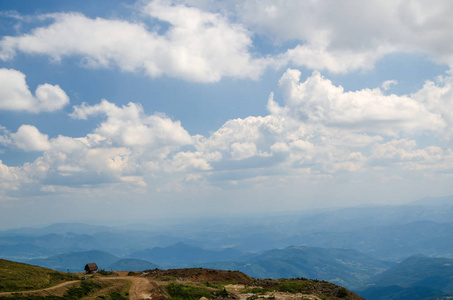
(21, 277)
(88, 289)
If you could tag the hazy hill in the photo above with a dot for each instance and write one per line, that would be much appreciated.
(181, 255)
(442, 201)
(418, 277)
(75, 262)
(58, 228)
(391, 242)
(132, 264)
(345, 267)
(421, 271)
(386, 232)
(23, 251)
(44, 245)
(395, 292)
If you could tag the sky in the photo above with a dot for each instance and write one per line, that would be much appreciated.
(119, 111)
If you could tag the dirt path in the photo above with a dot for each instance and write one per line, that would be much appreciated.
(140, 288)
(41, 290)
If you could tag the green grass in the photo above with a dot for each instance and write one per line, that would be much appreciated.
(166, 278)
(113, 296)
(73, 293)
(84, 289)
(322, 289)
(217, 284)
(117, 296)
(20, 297)
(22, 277)
(254, 290)
(293, 286)
(187, 292)
(106, 273)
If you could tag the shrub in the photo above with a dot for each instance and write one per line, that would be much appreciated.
(104, 272)
(222, 294)
(342, 292)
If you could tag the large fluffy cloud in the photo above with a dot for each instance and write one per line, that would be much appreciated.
(367, 110)
(198, 46)
(342, 36)
(16, 96)
(203, 44)
(317, 132)
(438, 98)
(129, 126)
(321, 129)
(125, 146)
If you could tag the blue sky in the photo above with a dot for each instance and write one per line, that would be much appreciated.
(130, 110)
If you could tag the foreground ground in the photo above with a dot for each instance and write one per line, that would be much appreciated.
(181, 284)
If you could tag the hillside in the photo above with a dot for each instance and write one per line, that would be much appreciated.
(421, 271)
(418, 277)
(392, 242)
(395, 292)
(182, 255)
(345, 267)
(20, 277)
(75, 262)
(131, 264)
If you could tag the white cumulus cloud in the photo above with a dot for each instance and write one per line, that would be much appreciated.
(198, 46)
(129, 126)
(437, 96)
(343, 36)
(316, 132)
(367, 110)
(16, 96)
(28, 138)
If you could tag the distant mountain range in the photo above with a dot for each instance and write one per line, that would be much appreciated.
(348, 246)
(392, 242)
(182, 255)
(345, 267)
(385, 232)
(369, 277)
(75, 262)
